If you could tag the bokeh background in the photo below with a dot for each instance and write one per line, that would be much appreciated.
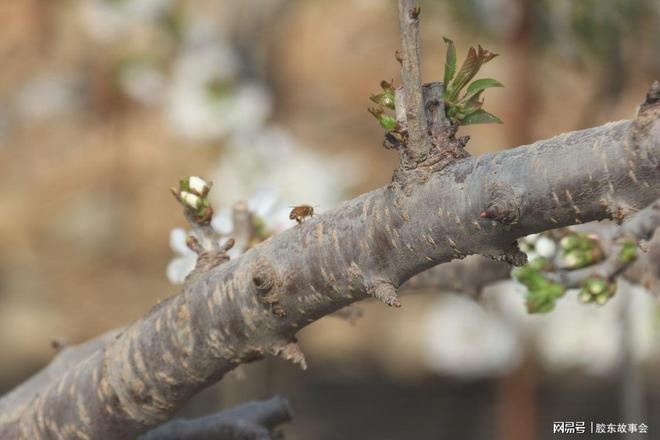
(105, 104)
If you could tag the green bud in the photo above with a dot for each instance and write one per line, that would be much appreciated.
(585, 297)
(602, 298)
(576, 259)
(569, 242)
(596, 285)
(628, 252)
(385, 121)
(542, 293)
(387, 87)
(540, 263)
(384, 99)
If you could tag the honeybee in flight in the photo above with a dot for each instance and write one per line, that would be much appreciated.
(300, 212)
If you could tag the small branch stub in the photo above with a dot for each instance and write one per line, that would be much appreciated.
(291, 351)
(384, 292)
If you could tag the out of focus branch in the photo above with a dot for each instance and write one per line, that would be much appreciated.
(640, 227)
(250, 421)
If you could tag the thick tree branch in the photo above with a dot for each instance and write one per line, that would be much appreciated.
(250, 421)
(252, 306)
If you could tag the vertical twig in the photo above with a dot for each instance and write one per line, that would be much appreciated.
(418, 143)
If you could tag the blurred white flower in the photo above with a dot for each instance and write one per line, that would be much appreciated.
(208, 99)
(536, 245)
(465, 340)
(266, 204)
(108, 20)
(274, 172)
(143, 82)
(545, 247)
(49, 95)
(185, 261)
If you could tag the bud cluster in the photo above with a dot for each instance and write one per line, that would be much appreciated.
(597, 290)
(193, 195)
(580, 250)
(542, 293)
(384, 101)
(628, 252)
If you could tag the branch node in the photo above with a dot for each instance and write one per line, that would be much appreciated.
(207, 259)
(505, 204)
(384, 292)
(652, 98)
(264, 279)
(414, 12)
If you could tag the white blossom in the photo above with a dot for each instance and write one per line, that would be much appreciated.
(464, 340)
(143, 82)
(266, 204)
(197, 111)
(49, 95)
(180, 266)
(271, 170)
(545, 247)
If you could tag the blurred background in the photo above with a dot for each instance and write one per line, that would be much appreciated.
(105, 104)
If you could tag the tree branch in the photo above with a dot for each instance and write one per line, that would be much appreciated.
(640, 227)
(242, 310)
(468, 276)
(253, 420)
(419, 144)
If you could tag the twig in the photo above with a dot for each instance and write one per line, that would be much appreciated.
(253, 420)
(419, 143)
(640, 227)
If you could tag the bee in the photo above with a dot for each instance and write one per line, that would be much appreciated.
(300, 212)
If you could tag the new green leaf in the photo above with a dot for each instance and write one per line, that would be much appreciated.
(450, 61)
(480, 117)
(482, 84)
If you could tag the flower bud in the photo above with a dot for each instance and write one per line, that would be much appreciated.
(576, 259)
(595, 286)
(585, 297)
(602, 298)
(191, 200)
(385, 121)
(628, 252)
(198, 186)
(545, 247)
(569, 242)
